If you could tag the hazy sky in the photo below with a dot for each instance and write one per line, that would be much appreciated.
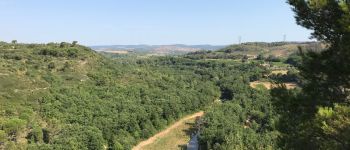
(98, 22)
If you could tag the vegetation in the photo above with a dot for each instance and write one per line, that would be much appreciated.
(69, 97)
(66, 96)
(316, 117)
(323, 103)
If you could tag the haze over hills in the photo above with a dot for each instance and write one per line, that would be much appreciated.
(250, 48)
(158, 49)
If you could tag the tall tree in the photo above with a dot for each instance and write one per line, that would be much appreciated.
(14, 41)
(74, 43)
(327, 73)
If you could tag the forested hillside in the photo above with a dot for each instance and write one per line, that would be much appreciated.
(66, 96)
(254, 95)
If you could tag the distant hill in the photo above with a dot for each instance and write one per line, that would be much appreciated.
(157, 49)
(253, 49)
(279, 49)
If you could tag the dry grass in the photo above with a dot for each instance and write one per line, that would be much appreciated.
(255, 84)
(117, 52)
(270, 85)
(283, 72)
(291, 85)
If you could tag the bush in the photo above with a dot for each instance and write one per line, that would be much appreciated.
(3, 137)
(272, 58)
(36, 135)
(14, 126)
(51, 65)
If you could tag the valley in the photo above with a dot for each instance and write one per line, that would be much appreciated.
(280, 87)
(53, 92)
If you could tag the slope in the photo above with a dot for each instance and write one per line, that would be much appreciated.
(66, 96)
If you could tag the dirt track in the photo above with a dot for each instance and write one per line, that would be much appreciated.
(166, 131)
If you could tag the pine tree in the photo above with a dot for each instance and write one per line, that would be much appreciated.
(327, 73)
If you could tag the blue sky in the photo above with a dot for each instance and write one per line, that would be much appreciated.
(101, 22)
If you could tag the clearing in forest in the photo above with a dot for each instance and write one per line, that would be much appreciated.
(269, 85)
(283, 72)
(174, 137)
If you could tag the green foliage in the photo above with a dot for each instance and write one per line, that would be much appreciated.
(326, 71)
(3, 136)
(36, 135)
(323, 104)
(13, 126)
(291, 76)
(89, 138)
(51, 66)
(245, 122)
(334, 126)
(294, 60)
(260, 57)
(329, 19)
(272, 58)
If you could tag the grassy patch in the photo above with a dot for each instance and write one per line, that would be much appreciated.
(283, 72)
(176, 139)
(269, 85)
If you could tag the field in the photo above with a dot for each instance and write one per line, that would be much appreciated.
(270, 85)
(283, 72)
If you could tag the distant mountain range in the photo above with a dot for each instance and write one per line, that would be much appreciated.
(158, 49)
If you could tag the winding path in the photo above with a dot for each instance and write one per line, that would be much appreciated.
(166, 131)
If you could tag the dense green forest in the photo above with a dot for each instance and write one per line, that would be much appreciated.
(67, 96)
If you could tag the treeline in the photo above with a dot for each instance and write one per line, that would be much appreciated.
(212, 55)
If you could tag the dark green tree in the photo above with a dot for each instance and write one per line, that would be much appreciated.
(323, 116)
(327, 72)
(14, 41)
(63, 44)
(51, 65)
(245, 58)
(74, 43)
(260, 57)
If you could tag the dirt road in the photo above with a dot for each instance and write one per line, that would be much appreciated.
(166, 131)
